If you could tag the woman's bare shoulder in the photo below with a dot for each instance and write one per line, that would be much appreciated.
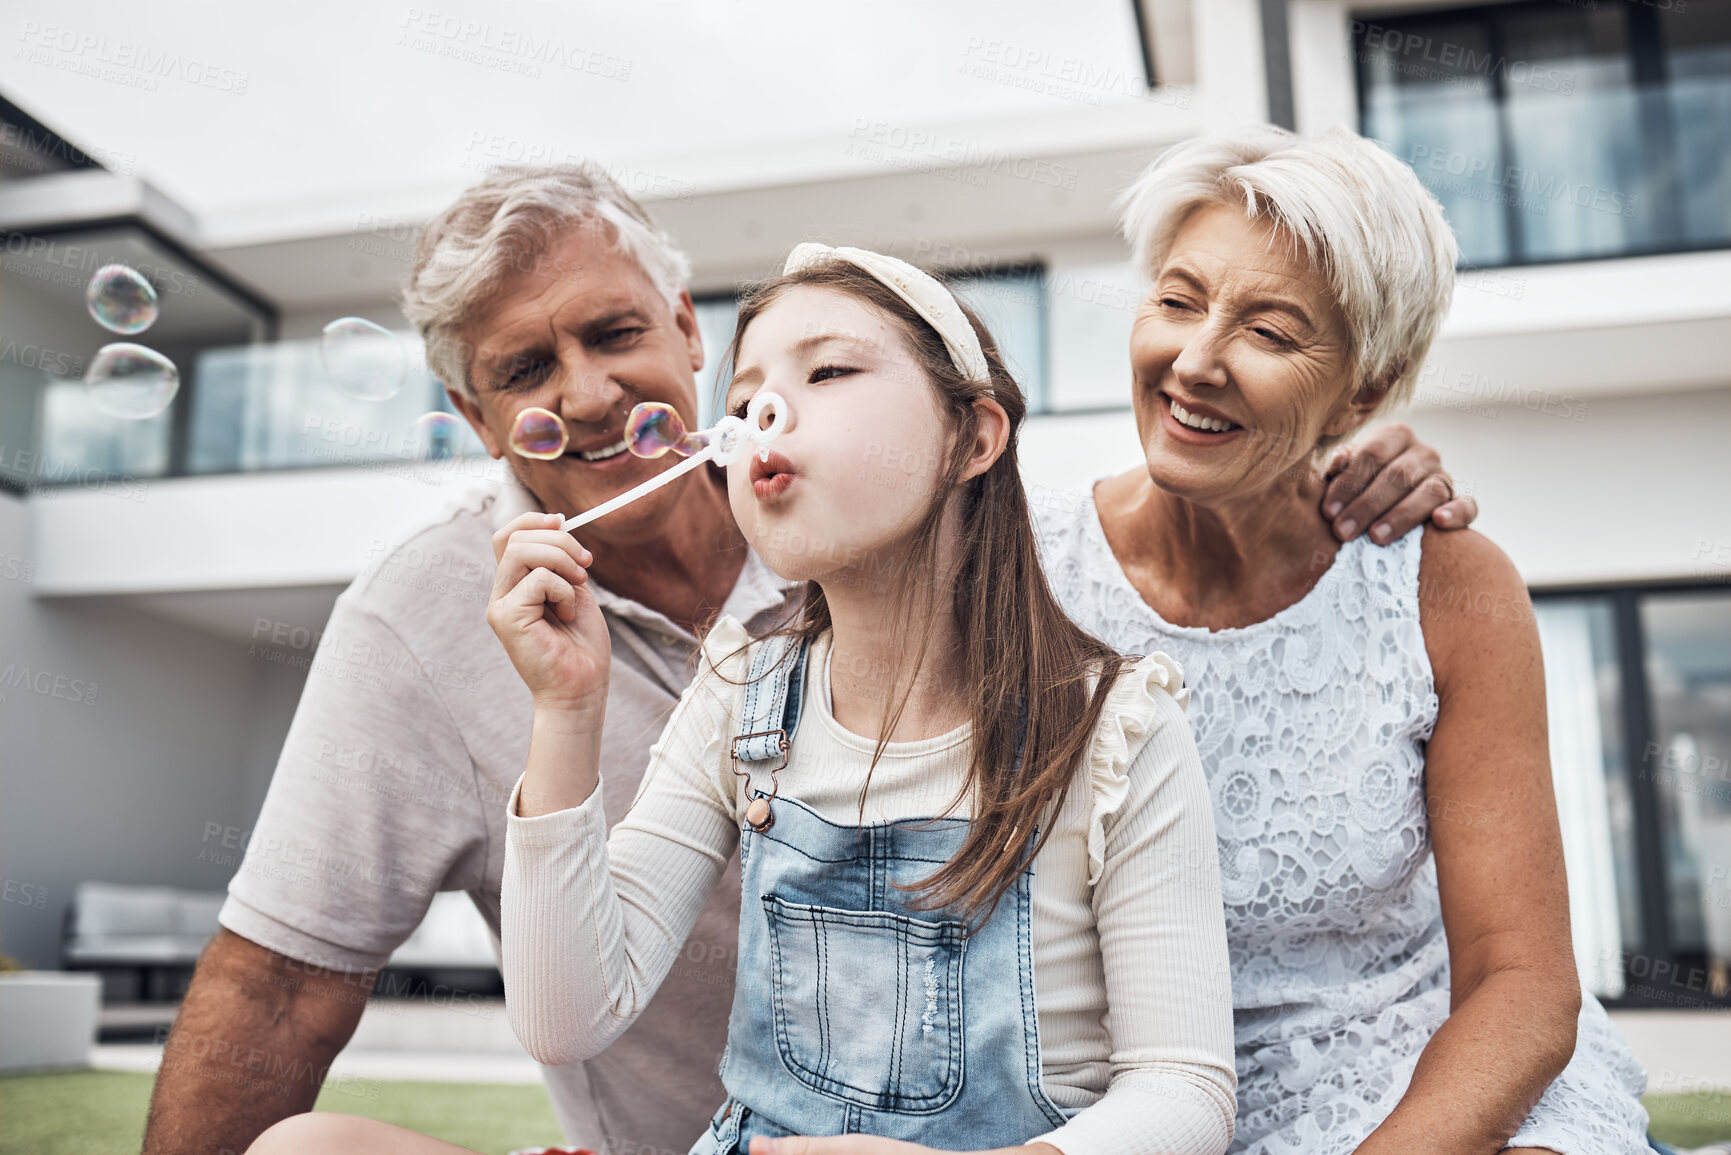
(1472, 600)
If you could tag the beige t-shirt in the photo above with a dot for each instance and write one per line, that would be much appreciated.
(392, 786)
(1131, 988)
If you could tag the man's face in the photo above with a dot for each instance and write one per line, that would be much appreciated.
(583, 333)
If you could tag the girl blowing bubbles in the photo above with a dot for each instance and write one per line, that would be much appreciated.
(982, 907)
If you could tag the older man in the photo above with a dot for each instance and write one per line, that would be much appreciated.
(547, 288)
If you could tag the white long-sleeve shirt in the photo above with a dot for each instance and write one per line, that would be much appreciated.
(1132, 993)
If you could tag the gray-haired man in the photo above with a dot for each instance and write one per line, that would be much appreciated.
(546, 288)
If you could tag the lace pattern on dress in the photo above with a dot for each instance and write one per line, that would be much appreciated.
(1312, 727)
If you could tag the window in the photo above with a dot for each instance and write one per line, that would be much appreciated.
(52, 431)
(1638, 687)
(716, 318)
(1011, 301)
(1560, 132)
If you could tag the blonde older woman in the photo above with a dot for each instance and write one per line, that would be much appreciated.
(1374, 738)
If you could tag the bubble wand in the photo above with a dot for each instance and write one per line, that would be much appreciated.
(651, 430)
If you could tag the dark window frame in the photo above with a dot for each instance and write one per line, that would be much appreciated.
(1648, 66)
(1657, 942)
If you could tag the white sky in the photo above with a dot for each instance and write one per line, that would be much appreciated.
(238, 110)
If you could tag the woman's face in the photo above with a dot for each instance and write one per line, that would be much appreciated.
(1240, 358)
(851, 474)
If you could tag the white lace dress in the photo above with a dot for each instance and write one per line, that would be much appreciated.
(1312, 727)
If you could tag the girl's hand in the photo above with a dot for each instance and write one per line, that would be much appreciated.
(547, 619)
(872, 1145)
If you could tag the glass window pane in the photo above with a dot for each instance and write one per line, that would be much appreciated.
(1590, 772)
(1688, 663)
(1698, 64)
(80, 444)
(1427, 92)
(1092, 309)
(716, 317)
(1560, 132)
(263, 407)
(1012, 303)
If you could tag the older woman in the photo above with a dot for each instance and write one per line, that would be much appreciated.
(1376, 746)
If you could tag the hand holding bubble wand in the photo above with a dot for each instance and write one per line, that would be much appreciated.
(651, 430)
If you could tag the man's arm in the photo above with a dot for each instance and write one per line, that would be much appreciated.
(251, 1045)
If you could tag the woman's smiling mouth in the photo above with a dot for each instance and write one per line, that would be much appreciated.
(1192, 424)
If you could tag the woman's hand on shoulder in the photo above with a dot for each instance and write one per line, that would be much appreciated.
(1388, 481)
(544, 614)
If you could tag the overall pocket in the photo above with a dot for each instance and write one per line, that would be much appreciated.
(868, 1004)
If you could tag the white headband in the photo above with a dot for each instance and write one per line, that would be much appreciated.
(923, 293)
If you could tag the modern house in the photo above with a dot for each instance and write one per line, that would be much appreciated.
(163, 582)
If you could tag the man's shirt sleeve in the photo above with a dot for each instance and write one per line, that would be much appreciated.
(374, 807)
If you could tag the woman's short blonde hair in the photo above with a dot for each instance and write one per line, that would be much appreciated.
(1360, 217)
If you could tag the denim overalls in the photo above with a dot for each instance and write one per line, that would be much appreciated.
(852, 1012)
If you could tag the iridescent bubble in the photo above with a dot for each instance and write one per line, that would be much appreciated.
(654, 427)
(435, 435)
(538, 433)
(363, 360)
(131, 381)
(121, 300)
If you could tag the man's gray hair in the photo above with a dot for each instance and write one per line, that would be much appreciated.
(1360, 216)
(506, 224)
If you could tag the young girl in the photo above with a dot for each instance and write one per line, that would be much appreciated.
(939, 787)
(981, 902)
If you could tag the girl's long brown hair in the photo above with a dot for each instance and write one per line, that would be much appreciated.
(1017, 644)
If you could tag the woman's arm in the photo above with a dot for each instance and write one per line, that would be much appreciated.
(1162, 932)
(1515, 996)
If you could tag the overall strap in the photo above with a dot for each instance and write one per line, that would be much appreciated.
(773, 693)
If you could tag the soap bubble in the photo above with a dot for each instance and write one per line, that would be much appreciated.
(131, 381)
(121, 300)
(654, 427)
(435, 434)
(538, 433)
(363, 360)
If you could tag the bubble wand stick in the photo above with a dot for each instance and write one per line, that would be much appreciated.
(653, 428)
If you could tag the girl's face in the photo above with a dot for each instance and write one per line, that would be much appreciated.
(852, 473)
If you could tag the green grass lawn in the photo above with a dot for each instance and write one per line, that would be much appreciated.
(102, 1113)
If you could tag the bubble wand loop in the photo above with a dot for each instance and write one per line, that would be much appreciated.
(653, 428)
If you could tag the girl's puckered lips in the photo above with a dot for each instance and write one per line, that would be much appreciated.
(770, 478)
(762, 469)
